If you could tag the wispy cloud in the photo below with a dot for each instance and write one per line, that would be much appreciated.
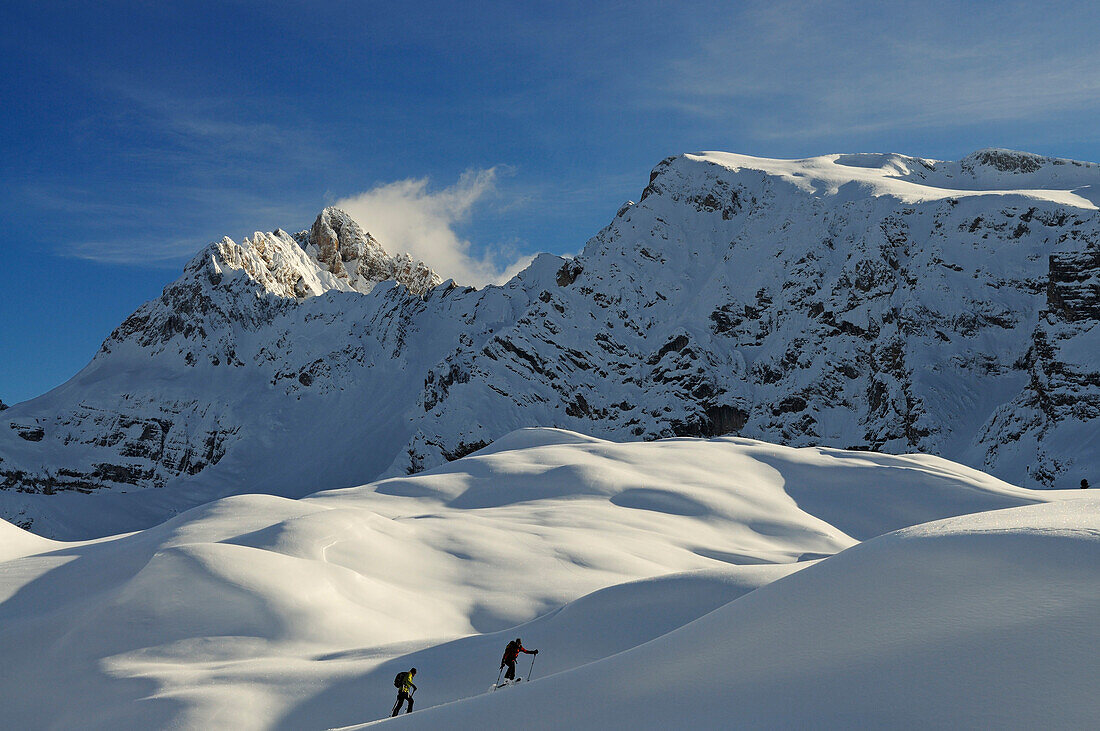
(409, 216)
(809, 69)
(182, 172)
(153, 251)
(164, 233)
(207, 136)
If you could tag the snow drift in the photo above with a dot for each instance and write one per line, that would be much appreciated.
(985, 621)
(257, 611)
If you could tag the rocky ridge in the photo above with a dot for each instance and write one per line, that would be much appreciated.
(872, 301)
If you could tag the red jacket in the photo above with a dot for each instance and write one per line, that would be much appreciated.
(512, 651)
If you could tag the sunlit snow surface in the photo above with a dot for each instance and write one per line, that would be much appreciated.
(264, 612)
(915, 180)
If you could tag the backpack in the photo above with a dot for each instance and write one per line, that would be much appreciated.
(399, 681)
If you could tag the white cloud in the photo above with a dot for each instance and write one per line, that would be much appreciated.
(408, 216)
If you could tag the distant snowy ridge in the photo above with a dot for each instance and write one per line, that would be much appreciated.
(873, 301)
(917, 180)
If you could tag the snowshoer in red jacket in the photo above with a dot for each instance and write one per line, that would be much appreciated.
(511, 652)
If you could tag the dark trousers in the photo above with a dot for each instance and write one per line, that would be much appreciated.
(402, 696)
(510, 674)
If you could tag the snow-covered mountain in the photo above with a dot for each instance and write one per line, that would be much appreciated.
(871, 301)
(722, 582)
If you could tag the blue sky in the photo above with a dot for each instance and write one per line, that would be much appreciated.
(133, 133)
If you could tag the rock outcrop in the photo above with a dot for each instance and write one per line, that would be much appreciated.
(341, 246)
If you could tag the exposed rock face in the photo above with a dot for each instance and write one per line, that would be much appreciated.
(1008, 161)
(869, 301)
(1073, 285)
(1061, 403)
(344, 249)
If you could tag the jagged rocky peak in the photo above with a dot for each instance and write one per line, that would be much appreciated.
(274, 260)
(343, 248)
(339, 238)
(3, 405)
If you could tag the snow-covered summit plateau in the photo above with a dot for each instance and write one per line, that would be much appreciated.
(870, 301)
(917, 180)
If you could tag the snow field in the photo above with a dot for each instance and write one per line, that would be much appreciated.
(985, 621)
(263, 612)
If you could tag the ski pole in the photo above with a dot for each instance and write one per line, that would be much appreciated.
(532, 667)
(499, 674)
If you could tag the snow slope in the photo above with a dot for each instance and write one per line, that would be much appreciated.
(986, 621)
(257, 611)
(871, 301)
